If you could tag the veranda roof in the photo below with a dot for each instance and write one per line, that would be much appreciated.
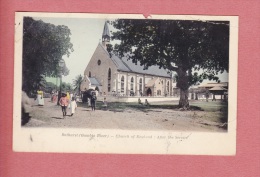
(223, 84)
(217, 88)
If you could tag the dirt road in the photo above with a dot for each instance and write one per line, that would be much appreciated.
(50, 115)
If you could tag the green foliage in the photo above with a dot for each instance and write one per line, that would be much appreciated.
(77, 82)
(109, 48)
(49, 87)
(44, 45)
(66, 87)
(69, 87)
(176, 45)
(183, 46)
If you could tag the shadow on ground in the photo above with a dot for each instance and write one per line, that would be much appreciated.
(57, 117)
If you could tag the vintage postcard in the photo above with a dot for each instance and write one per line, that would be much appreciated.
(125, 84)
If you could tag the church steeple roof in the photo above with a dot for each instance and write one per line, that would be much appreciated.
(106, 33)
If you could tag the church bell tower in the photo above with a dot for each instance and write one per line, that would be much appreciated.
(105, 36)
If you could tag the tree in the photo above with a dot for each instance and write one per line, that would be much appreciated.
(69, 87)
(77, 82)
(49, 87)
(181, 46)
(44, 45)
(66, 87)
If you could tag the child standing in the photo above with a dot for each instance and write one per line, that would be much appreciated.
(73, 105)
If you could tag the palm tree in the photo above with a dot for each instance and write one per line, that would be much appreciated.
(69, 87)
(77, 82)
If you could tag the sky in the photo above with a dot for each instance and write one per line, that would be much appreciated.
(85, 36)
(86, 33)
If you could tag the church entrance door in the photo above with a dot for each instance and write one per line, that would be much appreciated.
(149, 92)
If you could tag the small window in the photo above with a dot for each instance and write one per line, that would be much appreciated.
(99, 62)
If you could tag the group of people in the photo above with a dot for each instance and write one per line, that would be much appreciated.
(67, 100)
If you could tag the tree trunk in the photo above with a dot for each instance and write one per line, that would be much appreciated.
(184, 101)
(183, 84)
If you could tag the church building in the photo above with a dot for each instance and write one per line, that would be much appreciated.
(112, 75)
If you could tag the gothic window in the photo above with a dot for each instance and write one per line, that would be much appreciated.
(109, 80)
(99, 62)
(89, 74)
(122, 84)
(132, 84)
(140, 85)
(168, 86)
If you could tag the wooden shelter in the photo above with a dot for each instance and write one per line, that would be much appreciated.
(218, 90)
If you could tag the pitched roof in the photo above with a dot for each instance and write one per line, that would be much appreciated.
(94, 81)
(106, 30)
(217, 88)
(221, 84)
(120, 64)
(128, 66)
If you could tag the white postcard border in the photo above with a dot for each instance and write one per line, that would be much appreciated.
(71, 140)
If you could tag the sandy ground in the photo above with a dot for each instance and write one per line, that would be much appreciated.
(50, 115)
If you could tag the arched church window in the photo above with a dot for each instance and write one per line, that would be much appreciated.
(132, 84)
(99, 62)
(122, 84)
(168, 86)
(89, 74)
(140, 85)
(109, 80)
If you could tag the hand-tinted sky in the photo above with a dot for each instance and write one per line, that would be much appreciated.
(86, 33)
(85, 36)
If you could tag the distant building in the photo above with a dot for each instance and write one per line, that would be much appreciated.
(214, 84)
(118, 76)
(215, 90)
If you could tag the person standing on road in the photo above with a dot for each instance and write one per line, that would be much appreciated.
(73, 105)
(64, 101)
(93, 101)
(26, 108)
(71, 96)
(40, 98)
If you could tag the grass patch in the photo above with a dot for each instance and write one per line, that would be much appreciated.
(173, 105)
(215, 107)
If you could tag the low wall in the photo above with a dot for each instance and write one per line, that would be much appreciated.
(150, 99)
(135, 99)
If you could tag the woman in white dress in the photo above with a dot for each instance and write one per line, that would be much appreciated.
(40, 98)
(73, 106)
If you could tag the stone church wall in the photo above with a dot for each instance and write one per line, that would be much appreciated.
(98, 67)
